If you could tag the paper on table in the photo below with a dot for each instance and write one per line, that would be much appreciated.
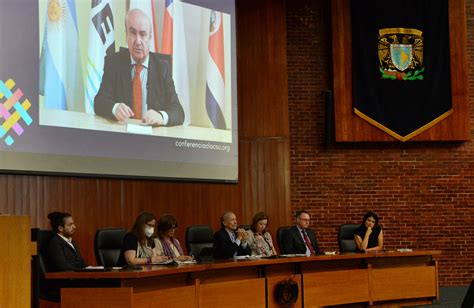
(187, 262)
(162, 262)
(94, 267)
(139, 129)
(404, 250)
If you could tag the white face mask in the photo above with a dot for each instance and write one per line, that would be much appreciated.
(149, 231)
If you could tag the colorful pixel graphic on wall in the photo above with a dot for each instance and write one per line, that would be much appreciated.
(11, 111)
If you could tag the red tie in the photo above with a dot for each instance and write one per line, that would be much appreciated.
(308, 242)
(137, 92)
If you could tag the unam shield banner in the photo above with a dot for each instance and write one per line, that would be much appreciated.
(401, 64)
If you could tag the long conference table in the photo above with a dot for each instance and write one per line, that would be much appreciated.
(385, 278)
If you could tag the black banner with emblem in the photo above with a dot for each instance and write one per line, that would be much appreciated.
(400, 63)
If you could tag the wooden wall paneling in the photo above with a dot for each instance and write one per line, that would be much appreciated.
(108, 203)
(262, 74)
(459, 77)
(222, 197)
(263, 109)
(247, 172)
(3, 194)
(349, 127)
(269, 158)
(275, 173)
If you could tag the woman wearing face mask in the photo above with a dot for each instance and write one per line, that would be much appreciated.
(369, 236)
(138, 243)
(259, 238)
(166, 244)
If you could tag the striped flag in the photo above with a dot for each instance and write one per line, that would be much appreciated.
(148, 7)
(60, 65)
(175, 44)
(167, 38)
(215, 83)
(101, 42)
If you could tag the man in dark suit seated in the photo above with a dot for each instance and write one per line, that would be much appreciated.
(230, 241)
(300, 238)
(63, 254)
(138, 83)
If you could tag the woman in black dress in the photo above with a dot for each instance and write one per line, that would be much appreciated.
(369, 236)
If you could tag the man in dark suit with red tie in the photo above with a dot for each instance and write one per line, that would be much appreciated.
(300, 239)
(62, 253)
(230, 240)
(138, 83)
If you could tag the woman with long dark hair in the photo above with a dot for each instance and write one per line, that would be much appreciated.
(369, 236)
(138, 243)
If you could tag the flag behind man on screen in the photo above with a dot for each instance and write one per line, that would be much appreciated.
(101, 42)
(60, 64)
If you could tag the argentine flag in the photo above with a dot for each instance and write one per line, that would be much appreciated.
(60, 71)
(101, 42)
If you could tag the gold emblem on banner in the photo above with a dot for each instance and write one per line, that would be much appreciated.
(401, 54)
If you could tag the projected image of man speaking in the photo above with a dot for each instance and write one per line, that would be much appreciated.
(138, 83)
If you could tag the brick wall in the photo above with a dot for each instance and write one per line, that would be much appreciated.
(423, 192)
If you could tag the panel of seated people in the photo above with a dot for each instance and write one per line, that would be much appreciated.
(155, 268)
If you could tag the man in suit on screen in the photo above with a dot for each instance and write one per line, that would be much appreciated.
(138, 83)
(230, 240)
(300, 239)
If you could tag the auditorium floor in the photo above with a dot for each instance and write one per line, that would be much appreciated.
(450, 297)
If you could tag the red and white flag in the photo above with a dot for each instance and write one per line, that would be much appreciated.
(215, 83)
(167, 38)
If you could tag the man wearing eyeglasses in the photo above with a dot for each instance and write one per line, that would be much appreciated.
(300, 239)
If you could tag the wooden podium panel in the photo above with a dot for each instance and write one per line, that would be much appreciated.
(15, 261)
(336, 287)
(244, 292)
(403, 283)
(96, 297)
(171, 297)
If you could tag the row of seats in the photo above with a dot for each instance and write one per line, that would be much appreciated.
(108, 241)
